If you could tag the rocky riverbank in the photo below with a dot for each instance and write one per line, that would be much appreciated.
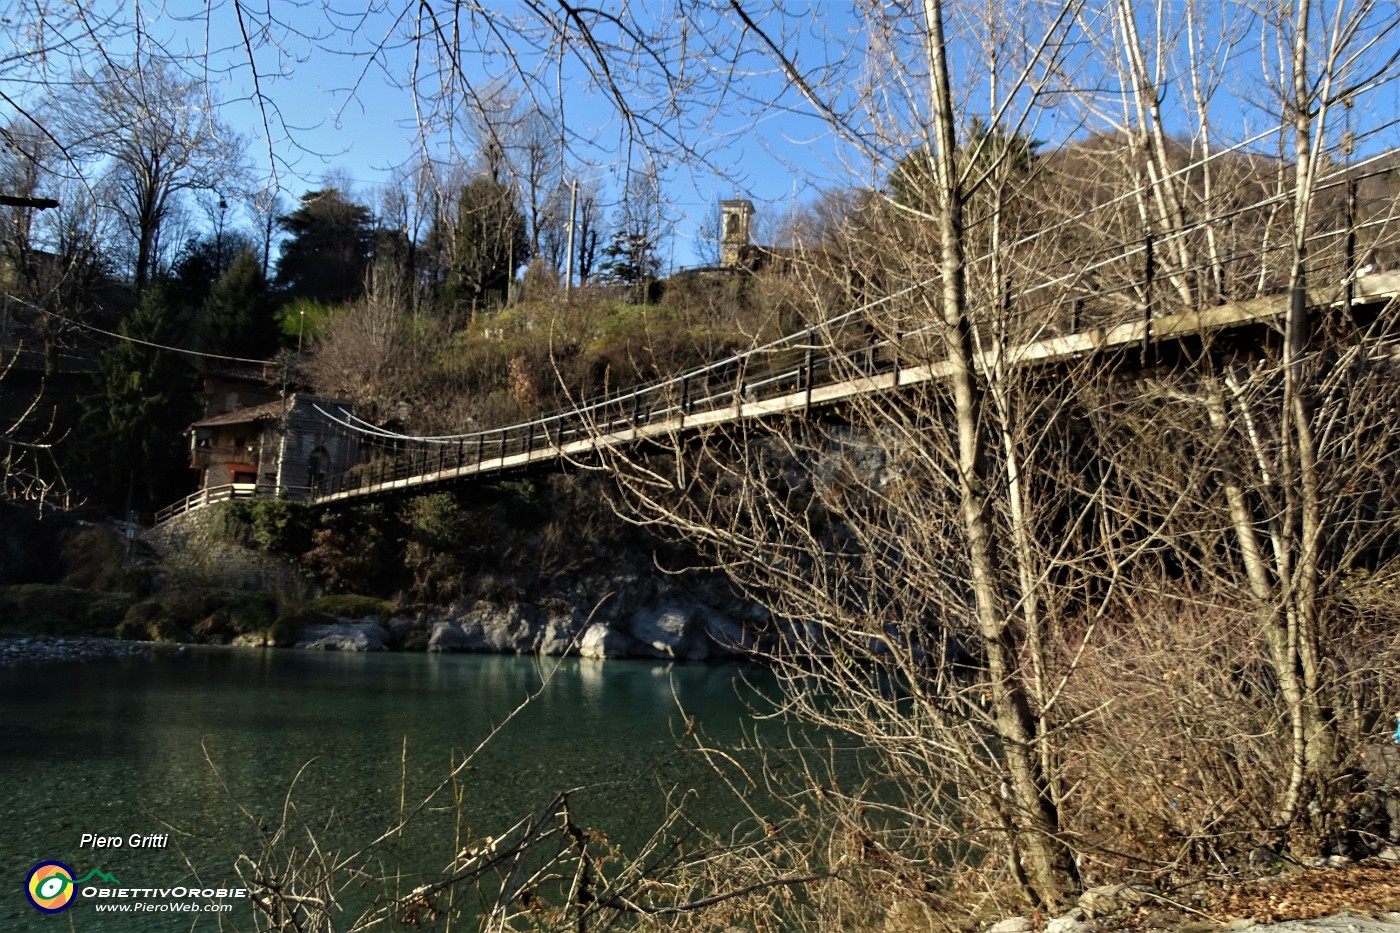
(1333, 895)
(40, 649)
(681, 627)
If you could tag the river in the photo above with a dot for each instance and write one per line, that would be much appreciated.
(202, 746)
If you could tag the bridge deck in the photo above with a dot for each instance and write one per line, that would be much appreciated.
(559, 437)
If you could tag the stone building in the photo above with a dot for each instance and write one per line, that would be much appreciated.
(253, 434)
(736, 231)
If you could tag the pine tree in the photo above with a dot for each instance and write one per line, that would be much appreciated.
(237, 318)
(477, 249)
(631, 260)
(328, 251)
(133, 429)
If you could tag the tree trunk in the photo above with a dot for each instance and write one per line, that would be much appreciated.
(1047, 864)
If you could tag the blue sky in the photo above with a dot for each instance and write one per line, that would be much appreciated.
(333, 75)
(337, 111)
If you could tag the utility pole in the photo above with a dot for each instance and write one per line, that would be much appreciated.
(569, 263)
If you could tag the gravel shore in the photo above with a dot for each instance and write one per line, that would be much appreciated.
(43, 649)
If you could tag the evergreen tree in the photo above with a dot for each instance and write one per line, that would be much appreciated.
(911, 184)
(476, 252)
(201, 262)
(133, 429)
(237, 319)
(329, 249)
(630, 259)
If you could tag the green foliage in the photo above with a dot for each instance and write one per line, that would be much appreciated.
(352, 606)
(438, 520)
(302, 320)
(474, 255)
(199, 615)
(159, 619)
(280, 526)
(277, 526)
(328, 249)
(170, 616)
(47, 609)
(133, 432)
(630, 259)
(237, 316)
(524, 498)
(201, 262)
(232, 522)
(106, 610)
(237, 614)
(439, 533)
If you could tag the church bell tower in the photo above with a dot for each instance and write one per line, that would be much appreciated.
(736, 217)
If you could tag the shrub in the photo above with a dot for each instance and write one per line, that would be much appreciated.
(97, 558)
(153, 620)
(48, 609)
(277, 526)
(349, 550)
(239, 614)
(106, 611)
(232, 522)
(286, 629)
(280, 526)
(439, 533)
(131, 630)
(174, 615)
(351, 606)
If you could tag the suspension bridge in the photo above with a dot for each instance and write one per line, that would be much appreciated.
(1069, 317)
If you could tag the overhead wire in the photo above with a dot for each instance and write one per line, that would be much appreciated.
(1128, 250)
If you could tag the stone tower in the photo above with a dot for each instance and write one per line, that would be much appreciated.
(736, 217)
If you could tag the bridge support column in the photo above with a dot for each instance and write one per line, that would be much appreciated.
(807, 380)
(1149, 273)
(1350, 270)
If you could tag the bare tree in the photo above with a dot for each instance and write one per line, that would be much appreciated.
(588, 231)
(968, 546)
(30, 470)
(149, 132)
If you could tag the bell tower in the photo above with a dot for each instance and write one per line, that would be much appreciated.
(736, 217)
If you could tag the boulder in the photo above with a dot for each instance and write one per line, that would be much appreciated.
(724, 636)
(1111, 898)
(1070, 925)
(515, 628)
(1012, 925)
(364, 635)
(599, 641)
(666, 631)
(409, 633)
(456, 636)
(561, 631)
(253, 640)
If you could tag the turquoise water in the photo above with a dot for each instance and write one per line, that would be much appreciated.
(203, 746)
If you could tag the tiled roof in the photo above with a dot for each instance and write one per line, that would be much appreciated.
(268, 411)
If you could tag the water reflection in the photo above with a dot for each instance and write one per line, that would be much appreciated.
(178, 743)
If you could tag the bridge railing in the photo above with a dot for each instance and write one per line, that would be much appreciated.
(207, 496)
(229, 491)
(1080, 295)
